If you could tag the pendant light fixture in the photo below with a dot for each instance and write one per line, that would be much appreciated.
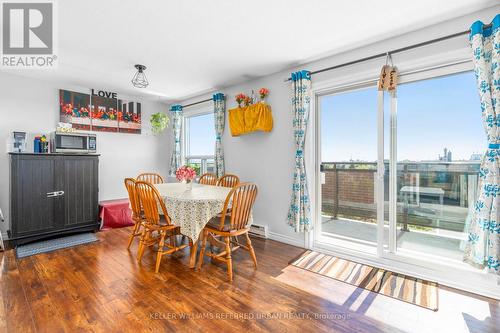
(139, 80)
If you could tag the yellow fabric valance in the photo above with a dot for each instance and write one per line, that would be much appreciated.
(256, 117)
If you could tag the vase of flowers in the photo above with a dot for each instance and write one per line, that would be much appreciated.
(263, 92)
(240, 99)
(186, 174)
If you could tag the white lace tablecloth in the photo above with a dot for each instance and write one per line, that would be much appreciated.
(192, 210)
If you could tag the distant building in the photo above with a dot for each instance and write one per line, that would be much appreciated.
(447, 156)
(476, 157)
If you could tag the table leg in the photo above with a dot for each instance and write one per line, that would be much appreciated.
(193, 253)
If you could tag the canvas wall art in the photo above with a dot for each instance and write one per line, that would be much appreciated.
(104, 114)
(129, 116)
(97, 113)
(75, 109)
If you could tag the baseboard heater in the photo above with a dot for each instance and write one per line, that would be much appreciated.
(258, 230)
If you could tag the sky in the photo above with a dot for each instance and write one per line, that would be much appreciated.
(202, 134)
(432, 114)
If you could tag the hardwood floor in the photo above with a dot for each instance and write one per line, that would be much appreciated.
(100, 287)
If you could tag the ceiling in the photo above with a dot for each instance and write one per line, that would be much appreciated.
(191, 47)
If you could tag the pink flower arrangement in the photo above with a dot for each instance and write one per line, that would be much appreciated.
(240, 98)
(263, 92)
(185, 173)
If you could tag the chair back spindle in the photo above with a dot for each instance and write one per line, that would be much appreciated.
(241, 198)
(228, 181)
(150, 177)
(133, 198)
(150, 199)
(208, 179)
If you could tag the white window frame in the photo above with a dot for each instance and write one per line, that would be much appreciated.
(185, 139)
(452, 274)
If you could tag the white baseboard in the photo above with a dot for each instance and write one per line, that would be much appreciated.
(286, 239)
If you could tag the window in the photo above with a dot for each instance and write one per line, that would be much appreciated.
(438, 139)
(348, 164)
(199, 139)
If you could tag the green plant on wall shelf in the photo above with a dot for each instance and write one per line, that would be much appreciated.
(159, 122)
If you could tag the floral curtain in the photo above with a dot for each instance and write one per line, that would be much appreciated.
(483, 244)
(176, 158)
(219, 117)
(298, 214)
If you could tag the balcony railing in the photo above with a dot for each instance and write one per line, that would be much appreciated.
(431, 195)
(201, 163)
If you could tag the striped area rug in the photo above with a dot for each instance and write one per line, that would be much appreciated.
(405, 288)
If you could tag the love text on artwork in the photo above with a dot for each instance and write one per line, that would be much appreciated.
(102, 93)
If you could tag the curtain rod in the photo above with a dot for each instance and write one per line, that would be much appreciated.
(380, 55)
(195, 103)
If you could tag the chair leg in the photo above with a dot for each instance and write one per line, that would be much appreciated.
(140, 252)
(132, 236)
(160, 251)
(250, 248)
(202, 250)
(229, 260)
(173, 242)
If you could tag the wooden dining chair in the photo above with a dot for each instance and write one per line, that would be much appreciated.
(150, 177)
(228, 227)
(208, 179)
(135, 206)
(228, 181)
(150, 200)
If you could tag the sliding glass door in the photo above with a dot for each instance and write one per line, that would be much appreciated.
(428, 147)
(439, 144)
(348, 167)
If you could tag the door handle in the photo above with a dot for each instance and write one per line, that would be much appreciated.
(54, 194)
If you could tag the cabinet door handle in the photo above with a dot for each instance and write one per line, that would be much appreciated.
(55, 194)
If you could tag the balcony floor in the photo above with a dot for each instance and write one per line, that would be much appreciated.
(446, 244)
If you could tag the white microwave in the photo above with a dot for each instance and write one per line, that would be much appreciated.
(85, 143)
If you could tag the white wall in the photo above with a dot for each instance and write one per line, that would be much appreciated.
(268, 158)
(31, 106)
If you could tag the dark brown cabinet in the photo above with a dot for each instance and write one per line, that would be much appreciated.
(52, 194)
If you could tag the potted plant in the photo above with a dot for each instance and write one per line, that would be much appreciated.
(159, 122)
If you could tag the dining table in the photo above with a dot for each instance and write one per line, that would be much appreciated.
(192, 207)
